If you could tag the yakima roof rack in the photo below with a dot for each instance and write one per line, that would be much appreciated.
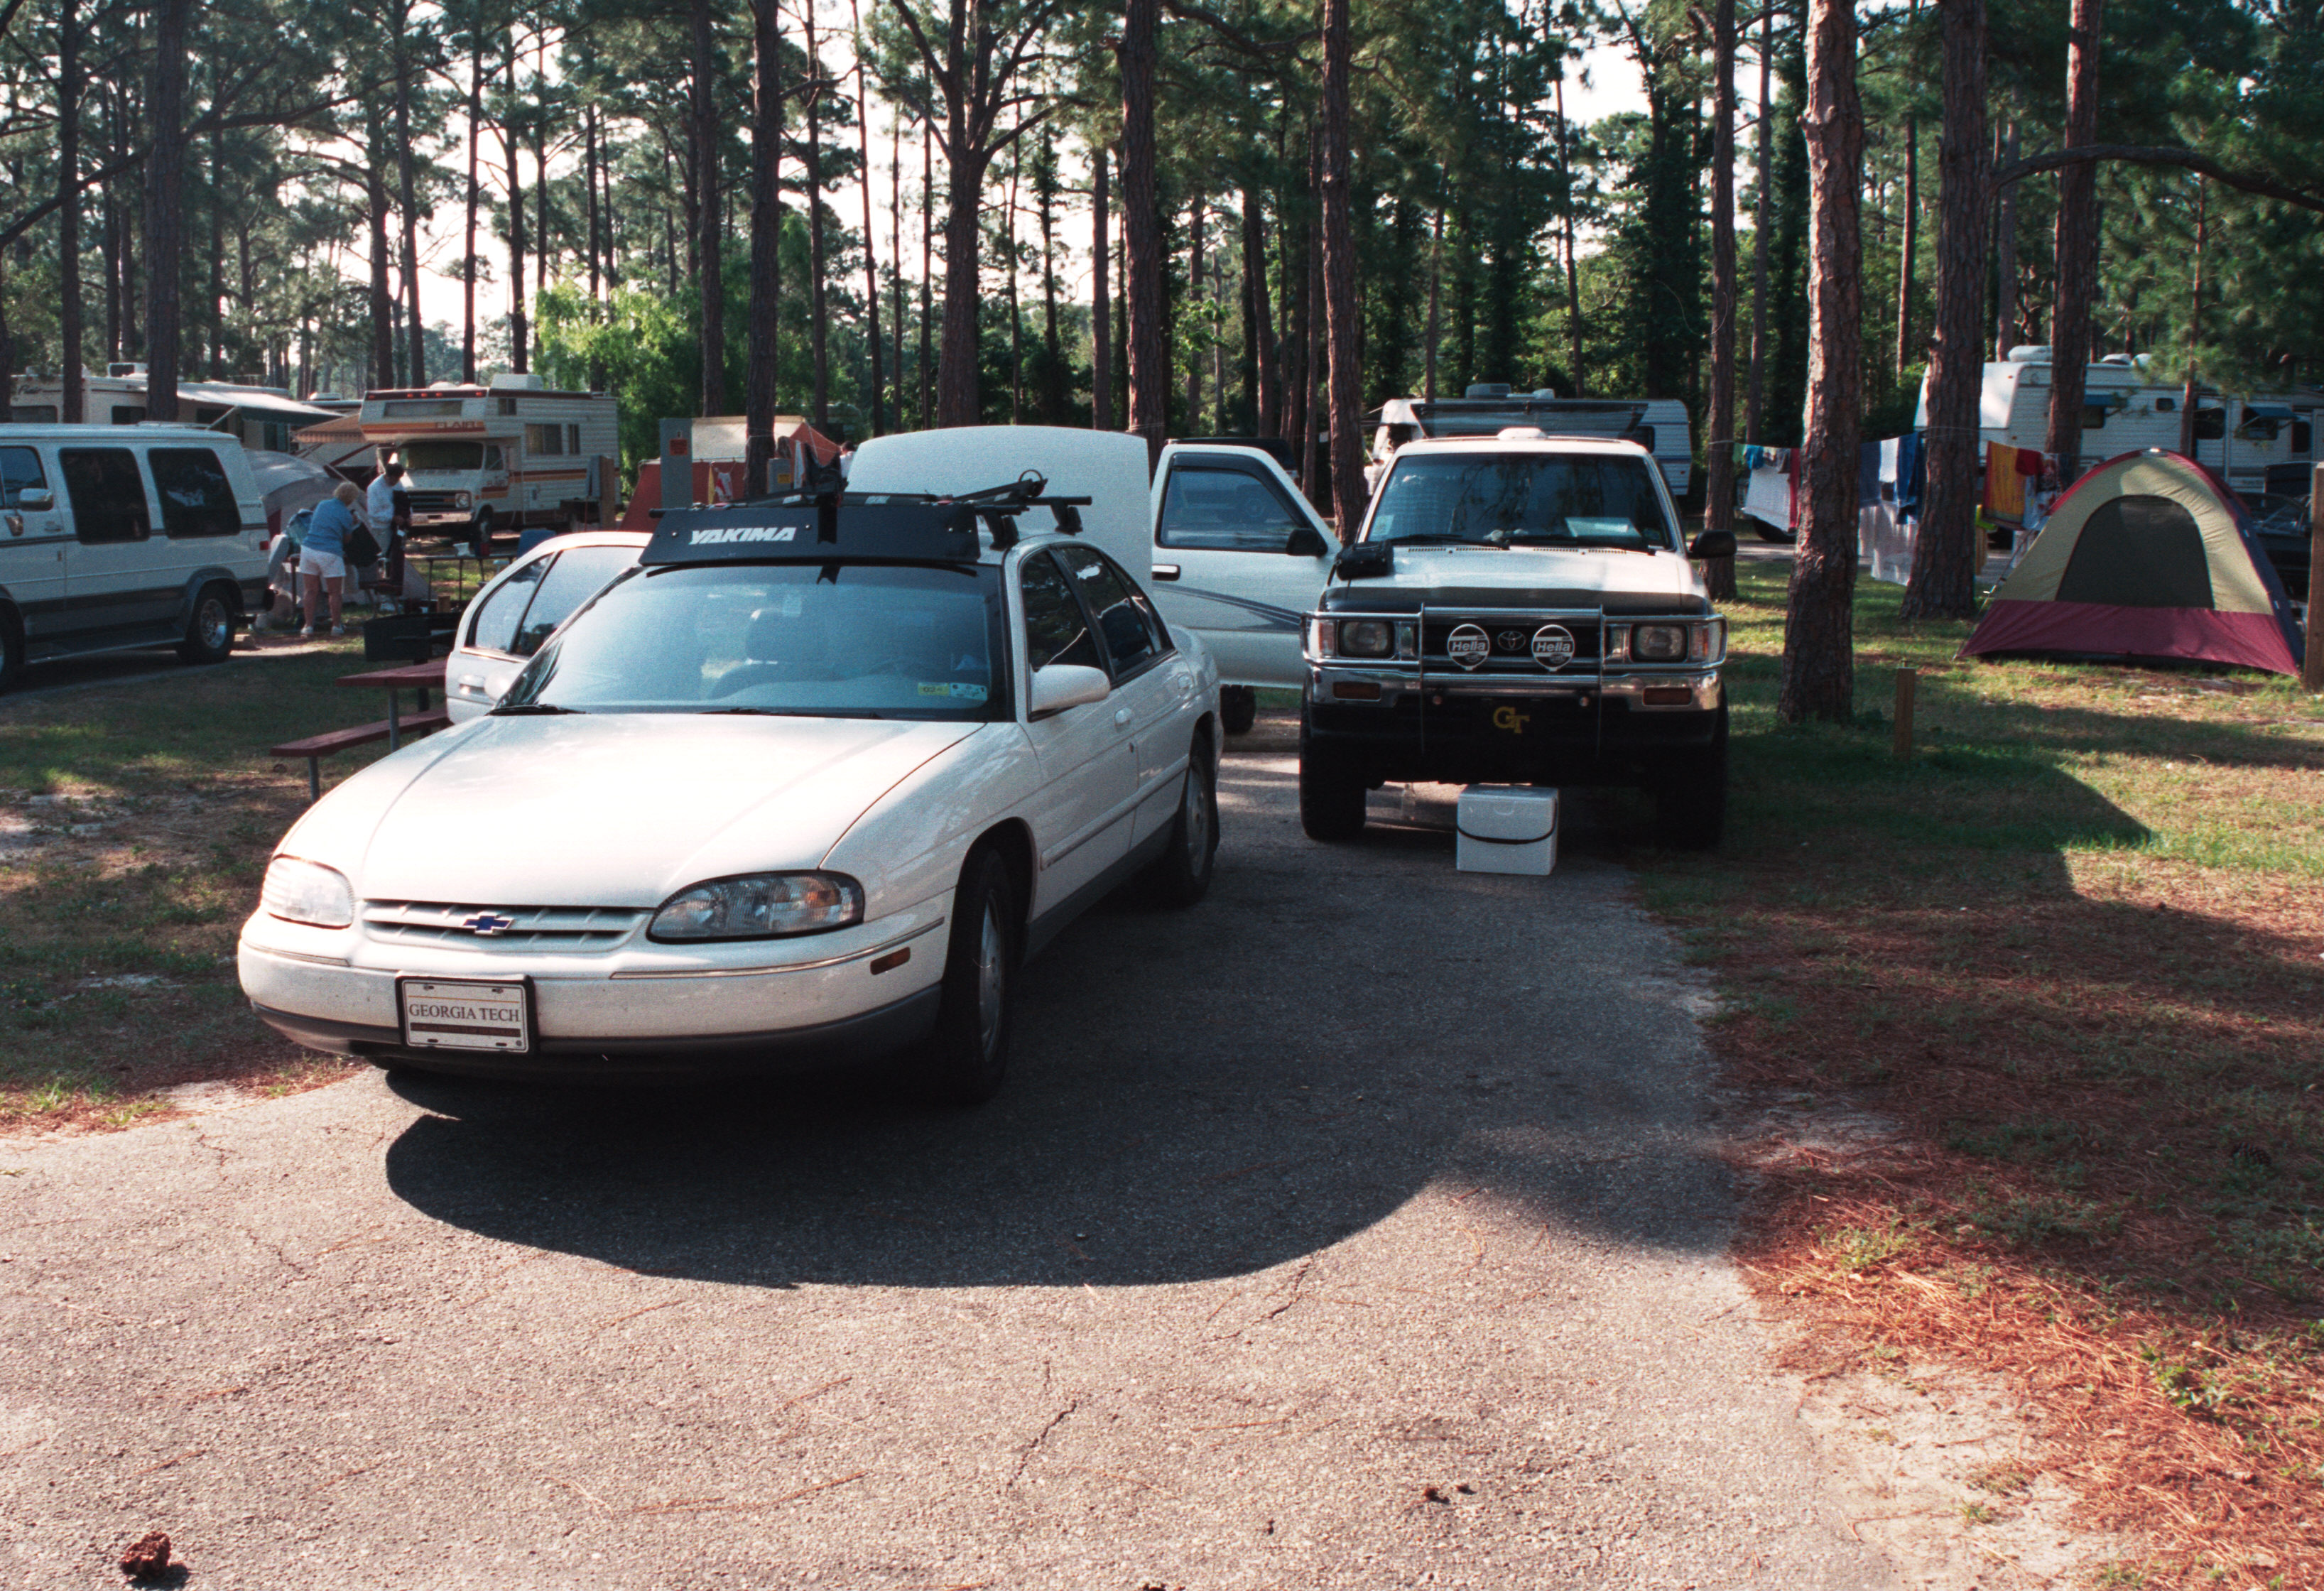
(857, 526)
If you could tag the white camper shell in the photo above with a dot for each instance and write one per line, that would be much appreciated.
(1658, 425)
(2258, 443)
(506, 457)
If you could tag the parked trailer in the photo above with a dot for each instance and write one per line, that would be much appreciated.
(262, 418)
(506, 457)
(2260, 443)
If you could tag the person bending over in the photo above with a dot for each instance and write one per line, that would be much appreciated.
(322, 557)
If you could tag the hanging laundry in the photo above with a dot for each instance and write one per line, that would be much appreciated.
(1889, 451)
(1912, 463)
(1768, 498)
(2029, 463)
(2005, 484)
(1867, 474)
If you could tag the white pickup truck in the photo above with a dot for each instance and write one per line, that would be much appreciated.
(1219, 533)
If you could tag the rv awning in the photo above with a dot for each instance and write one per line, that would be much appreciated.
(2260, 411)
(346, 430)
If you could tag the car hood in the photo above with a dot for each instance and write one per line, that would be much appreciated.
(1621, 582)
(617, 810)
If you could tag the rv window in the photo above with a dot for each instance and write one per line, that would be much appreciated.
(107, 494)
(2303, 434)
(1226, 510)
(2094, 416)
(416, 408)
(33, 414)
(20, 471)
(126, 414)
(573, 439)
(441, 455)
(197, 497)
(507, 406)
(2211, 424)
(540, 441)
(1644, 436)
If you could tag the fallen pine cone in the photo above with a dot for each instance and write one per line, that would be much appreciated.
(147, 1557)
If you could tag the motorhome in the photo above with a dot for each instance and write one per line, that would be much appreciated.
(1659, 425)
(499, 457)
(262, 418)
(2259, 443)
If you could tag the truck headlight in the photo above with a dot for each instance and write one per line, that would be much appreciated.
(1365, 637)
(461, 500)
(300, 891)
(759, 906)
(1658, 643)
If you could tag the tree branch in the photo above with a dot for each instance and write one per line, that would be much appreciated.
(2145, 155)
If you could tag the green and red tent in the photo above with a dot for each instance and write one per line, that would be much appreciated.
(2149, 556)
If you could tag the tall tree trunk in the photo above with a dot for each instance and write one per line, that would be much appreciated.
(589, 208)
(468, 238)
(1296, 384)
(2187, 393)
(1718, 454)
(1340, 308)
(519, 332)
(1053, 357)
(2078, 242)
(1257, 315)
(2004, 255)
(871, 256)
(1943, 582)
(927, 367)
(762, 362)
(68, 304)
(1911, 242)
(383, 302)
(818, 317)
(1141, 231)
(896, 242)
(709, 279)
(406, 206)
(958, 400)
(1435, 303)
(1573, 270)
(1819, 632)
(544, 243)
(1194, 312)
(1100, 296)
(1762, 220)
(1007, 240)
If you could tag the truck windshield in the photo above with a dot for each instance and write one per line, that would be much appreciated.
(837, 640)
(442, 455)
(1522, 499)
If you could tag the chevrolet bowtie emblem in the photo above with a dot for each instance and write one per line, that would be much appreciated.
(487, 924)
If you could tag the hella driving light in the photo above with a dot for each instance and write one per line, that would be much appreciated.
(1658, 643)
(759, 906)
(1365, 637)
(299, 891)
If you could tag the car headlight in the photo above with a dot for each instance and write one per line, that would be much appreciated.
(1658, 643)
(1365, 637)
(759, 906)
(300, 891)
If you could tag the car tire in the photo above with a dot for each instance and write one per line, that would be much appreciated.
(11, 650)
(209, 629)
(1330, 797)
(1690, 797)
(1181, 876)
(1237, 708)
(966, 1058)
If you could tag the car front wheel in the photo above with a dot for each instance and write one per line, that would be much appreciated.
(1182, 874)
(967, 1056)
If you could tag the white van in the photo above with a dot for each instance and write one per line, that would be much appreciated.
(115, 537)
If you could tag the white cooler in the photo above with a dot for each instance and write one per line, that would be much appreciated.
(1506, 828)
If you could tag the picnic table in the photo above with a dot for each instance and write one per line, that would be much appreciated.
(422, 677)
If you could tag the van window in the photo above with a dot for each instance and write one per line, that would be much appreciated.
(197, 494)
(20, 471)
(2211, 424)
(493, 458)
(107, 492)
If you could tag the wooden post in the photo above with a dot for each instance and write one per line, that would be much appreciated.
(2311, 672)
(1908, 681)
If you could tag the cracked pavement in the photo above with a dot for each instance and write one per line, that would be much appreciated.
(1359, 1228)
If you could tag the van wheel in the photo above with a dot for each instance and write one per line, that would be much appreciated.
(1237, 708)
(964, 1062)
(12, 649)
(209, 633)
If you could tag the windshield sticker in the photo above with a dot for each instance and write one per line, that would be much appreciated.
(958, 693)
(717, 535)
(1583, 529)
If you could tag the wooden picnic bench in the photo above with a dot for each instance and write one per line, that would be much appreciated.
(329, 743)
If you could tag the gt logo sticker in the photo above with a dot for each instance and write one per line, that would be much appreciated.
(718, 535)
(1468, 646)
(1511, 720)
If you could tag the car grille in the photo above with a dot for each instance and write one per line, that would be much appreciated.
(434, 502)
(1512, 642)
(566, 930)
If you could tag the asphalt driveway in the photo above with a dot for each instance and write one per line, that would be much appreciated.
(1359, 1227)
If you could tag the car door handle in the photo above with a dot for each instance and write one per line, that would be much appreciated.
(1166, 571)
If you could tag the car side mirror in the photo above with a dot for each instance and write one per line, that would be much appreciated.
(1713, 544)
(1061, 685)
(35, 500)
(1306, 542)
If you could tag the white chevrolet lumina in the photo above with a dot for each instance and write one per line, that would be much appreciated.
(808, 783)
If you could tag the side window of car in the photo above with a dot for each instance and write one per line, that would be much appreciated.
(495, 628)
(20, 471)
(1055, 630)
(1132, 630)
(197, 496)
(576, 577)
(1209, 506)
(108, 495)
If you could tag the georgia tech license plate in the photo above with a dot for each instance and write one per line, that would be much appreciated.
(448, 1014)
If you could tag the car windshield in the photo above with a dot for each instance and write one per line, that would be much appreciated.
(832, 641)
(1533, 499)
(442, 455)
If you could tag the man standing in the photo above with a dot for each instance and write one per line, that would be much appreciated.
(387, 505)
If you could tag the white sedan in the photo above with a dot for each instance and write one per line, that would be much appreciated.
(787, 791)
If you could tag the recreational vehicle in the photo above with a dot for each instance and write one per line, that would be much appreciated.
(1659, 425)
(504, 456)
(2259, 443)
(262, 418)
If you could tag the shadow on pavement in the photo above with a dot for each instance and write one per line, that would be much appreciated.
(1195, 1095)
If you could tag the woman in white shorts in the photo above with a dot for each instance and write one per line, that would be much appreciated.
(322, 559)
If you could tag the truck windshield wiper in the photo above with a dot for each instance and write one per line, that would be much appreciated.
(1435, 536)
(531, 710)
(790, 712)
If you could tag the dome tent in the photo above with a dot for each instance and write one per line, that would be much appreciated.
(2148, 556)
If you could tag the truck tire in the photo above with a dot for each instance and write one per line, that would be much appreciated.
(1237, 708)
(12, 649)
(1330, 796)
(1691, 796)
(209, 629)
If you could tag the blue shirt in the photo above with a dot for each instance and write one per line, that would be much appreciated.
(327, 531)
